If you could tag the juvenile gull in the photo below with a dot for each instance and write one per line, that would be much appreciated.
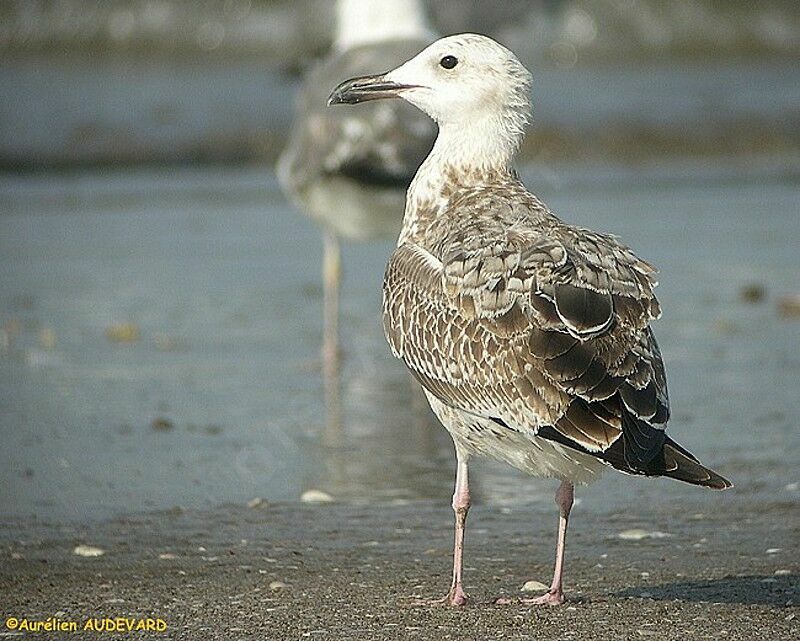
(531, 337)
(349, 170)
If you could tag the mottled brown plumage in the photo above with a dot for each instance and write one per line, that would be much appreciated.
(531, 337)
(502, 310)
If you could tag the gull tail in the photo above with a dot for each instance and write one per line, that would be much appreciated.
(680, 464)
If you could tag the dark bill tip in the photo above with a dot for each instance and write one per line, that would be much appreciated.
(363, 89)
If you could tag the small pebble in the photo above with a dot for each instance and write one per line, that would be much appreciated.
(534, 586)
(789, 306)
(773, 550)
(316, 496)
(166, 556)
(752, 293)
(123, 333)
(88, 551)
(277, 585)
(162, 424)
(782, 572)
(254, 503)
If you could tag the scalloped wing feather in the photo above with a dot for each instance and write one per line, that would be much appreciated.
(515, 316)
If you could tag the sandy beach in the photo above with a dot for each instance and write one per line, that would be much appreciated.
(665, 571)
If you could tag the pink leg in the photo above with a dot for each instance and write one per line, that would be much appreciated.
(565, 496)
(461, 503)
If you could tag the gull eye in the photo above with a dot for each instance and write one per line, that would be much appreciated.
(448, 62)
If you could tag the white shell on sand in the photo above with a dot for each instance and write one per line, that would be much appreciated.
(534, 586)
(316, 496)
(88, 550)
(638, 534)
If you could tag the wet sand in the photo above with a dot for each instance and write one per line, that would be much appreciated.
(293, 571)
(219, 398)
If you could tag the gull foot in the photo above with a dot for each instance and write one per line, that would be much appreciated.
(455, 598)
(548, 598)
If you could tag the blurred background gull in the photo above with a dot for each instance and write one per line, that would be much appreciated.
(160, 298)
(350, 171)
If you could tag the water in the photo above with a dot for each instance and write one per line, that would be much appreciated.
(221, 277)
(122, 109)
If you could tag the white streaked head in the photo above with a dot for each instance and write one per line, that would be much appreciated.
(360, 22)
(466, 79)
(474, 88)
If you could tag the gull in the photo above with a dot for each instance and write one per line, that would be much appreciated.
(530, 337)
(349, 171)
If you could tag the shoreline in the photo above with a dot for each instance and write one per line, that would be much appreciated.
(335, 571)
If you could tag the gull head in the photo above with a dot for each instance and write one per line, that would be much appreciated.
(466, 80)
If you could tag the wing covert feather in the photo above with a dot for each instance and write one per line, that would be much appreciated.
(533, 323)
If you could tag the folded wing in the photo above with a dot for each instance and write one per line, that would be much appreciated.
(540, 326)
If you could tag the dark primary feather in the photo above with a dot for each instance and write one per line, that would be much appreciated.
(510, 314)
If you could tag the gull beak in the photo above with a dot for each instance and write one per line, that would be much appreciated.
(365, 88)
